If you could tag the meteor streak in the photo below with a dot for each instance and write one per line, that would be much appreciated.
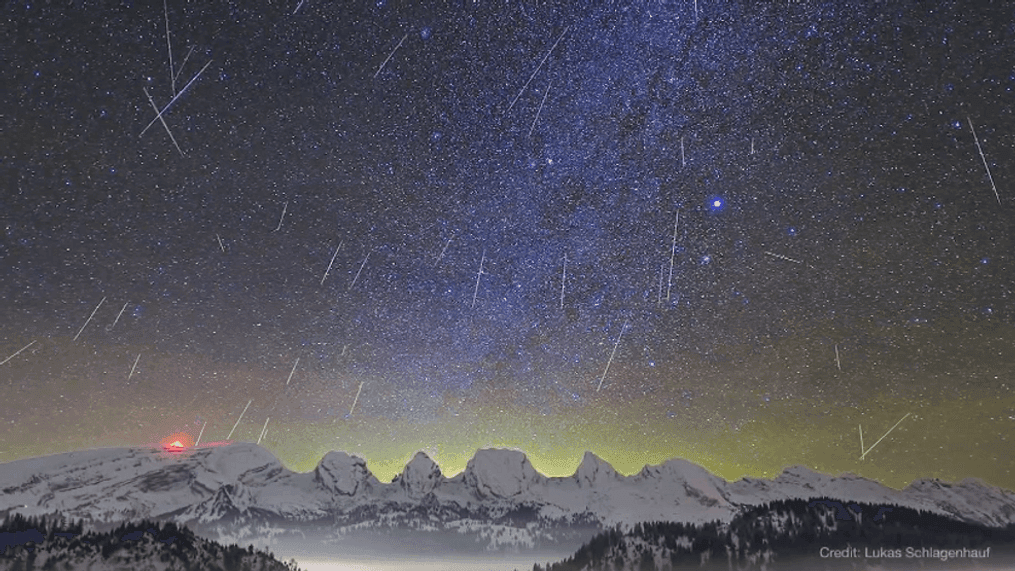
(479, 274)
(89, 319)
(389, 55)
(117, 320)
(355, 400)
(613, 354)
(239, 419)
(883, 437)
(16, 352)
(984, 159)
(263, 430)
(134, 366)
(333, 256)
(522, 90)
(673, 252)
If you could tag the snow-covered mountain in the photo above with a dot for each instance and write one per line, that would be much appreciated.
(499, 501)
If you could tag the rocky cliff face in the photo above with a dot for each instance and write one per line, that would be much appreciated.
(501, 474)
(420, 477)
(343, 474)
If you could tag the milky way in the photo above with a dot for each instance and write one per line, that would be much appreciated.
(733, 233)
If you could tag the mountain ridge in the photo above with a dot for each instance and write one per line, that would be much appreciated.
(243, 492)
(587, 456)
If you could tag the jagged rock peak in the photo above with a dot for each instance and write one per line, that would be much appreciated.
(230, 500)
(594, 470)
(678, 466)
(420, 476)
(500, 473)
(935, 484)
(342, 473)
(233, 495)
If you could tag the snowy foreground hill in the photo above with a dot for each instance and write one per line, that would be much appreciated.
(241, 493)
(801, 535)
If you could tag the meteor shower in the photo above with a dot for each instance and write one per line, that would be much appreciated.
(463, 254)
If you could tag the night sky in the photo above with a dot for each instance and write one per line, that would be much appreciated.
(734, 234)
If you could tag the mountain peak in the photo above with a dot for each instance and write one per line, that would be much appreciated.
(593, 471)
(500, 473)
(342, 473)
(421, 457)
(230, 500)
(236, 484)
(242, 461)
(420, 476)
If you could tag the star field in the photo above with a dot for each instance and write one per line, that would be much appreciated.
(734, 234)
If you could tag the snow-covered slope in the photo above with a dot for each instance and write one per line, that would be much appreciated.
(119, 483)
(971, 500)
